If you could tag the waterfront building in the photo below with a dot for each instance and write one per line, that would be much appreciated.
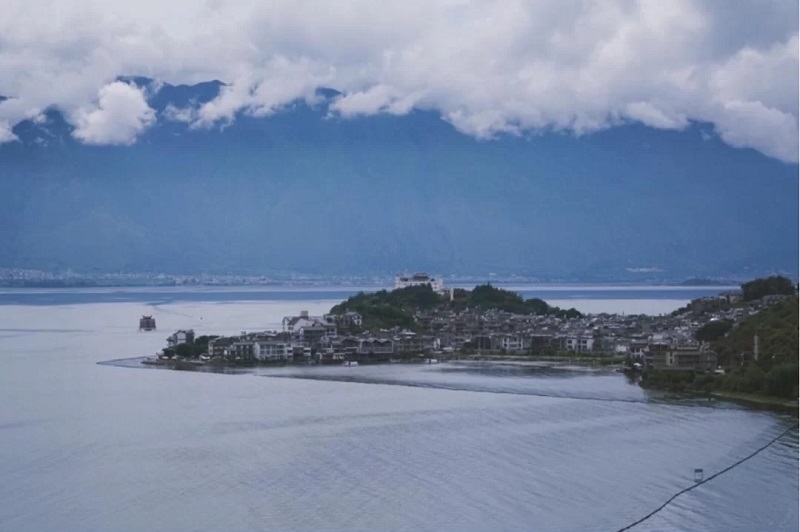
(684, 357)
(271, 349)
(375, 347)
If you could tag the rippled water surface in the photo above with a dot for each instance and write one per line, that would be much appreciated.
(87, 446)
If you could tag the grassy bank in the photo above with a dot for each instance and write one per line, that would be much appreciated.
(756, 399)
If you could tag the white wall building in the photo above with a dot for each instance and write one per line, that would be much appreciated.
(180, 337)
(272, 350)
(418, 279)
(292, 324)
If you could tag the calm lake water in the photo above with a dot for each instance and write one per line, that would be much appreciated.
(586, 298)
(98, 447)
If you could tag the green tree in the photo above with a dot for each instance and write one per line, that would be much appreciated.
(782, 381)
(775, 285)
(777, 329)
(713, 330)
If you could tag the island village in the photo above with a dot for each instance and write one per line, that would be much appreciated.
(446, 332)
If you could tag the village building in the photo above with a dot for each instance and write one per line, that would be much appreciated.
(180, 337)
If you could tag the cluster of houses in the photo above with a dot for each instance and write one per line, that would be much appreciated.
(661, 342)
(333, 338)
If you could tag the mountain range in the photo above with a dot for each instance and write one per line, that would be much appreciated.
(309, 191)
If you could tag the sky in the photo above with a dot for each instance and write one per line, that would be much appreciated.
(488, 68)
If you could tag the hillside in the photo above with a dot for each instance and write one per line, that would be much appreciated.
(396, 308)
(775, 373)
(777, 330)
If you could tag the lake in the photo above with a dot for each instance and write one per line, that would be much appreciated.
(99, 447)
(628, 299)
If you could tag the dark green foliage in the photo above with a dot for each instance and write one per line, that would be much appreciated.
(774, 373)
(782, 381)
(190, 350)
(744, 380)
(186, 350)
(775, 285)
(488, 297)
(713, 330)
(672, 381)
(777, 330)
(537, 306)
(385, 309)
(203, 340)
(570, 313)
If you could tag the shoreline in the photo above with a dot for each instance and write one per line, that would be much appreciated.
(601, 363)
(758, 401)
(754, 399)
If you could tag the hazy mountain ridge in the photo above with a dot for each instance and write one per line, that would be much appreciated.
(304, 191)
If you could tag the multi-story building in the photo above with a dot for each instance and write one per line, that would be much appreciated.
(375, 347)
(419, 279)
(577, 343)
(291, 324)
(512, 343)
(180, 337)
(687, 358)
(218, 347)
(270, 349)
(349, 320)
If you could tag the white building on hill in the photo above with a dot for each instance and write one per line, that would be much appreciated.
(418, 279)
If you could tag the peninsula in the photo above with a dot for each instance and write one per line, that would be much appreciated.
(742, 341)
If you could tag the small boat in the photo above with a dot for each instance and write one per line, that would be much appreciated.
(147, 323)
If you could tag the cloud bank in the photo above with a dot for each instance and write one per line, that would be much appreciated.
(486, 67)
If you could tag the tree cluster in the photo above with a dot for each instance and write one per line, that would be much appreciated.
(777, 330)
(396, 308)
(713, 330)
(775, 285)
(190, 349)
(775, 371)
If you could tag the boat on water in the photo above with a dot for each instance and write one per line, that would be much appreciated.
(147, 323)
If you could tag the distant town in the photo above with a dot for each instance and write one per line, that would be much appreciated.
(424, 320)
(34, 278)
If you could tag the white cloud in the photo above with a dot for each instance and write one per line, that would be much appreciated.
(6, 135)
(487, 67)
(650, 115)
(376, 99)
(118, 116)
(751, 124)
(262, 91)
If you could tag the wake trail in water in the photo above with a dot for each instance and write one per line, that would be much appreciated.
(161, 306)
(479, 389)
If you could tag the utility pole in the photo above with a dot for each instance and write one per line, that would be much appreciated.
(755, 347)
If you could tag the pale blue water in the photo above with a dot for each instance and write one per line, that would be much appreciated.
(587, 298)
(94, 447)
